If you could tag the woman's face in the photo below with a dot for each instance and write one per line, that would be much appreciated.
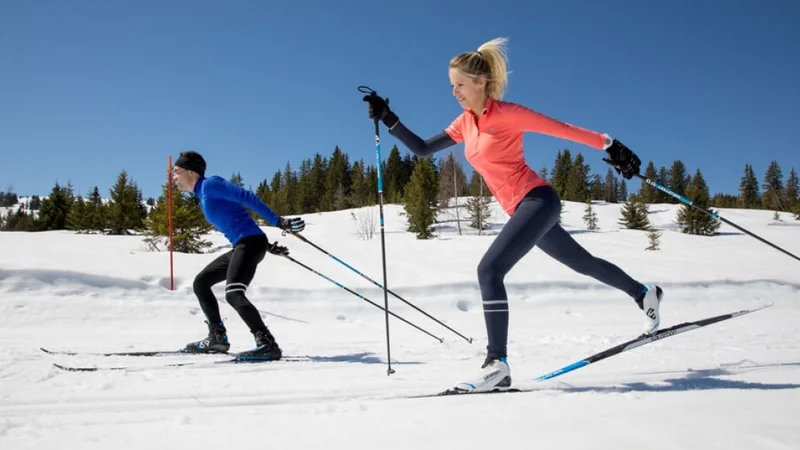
(467, 90)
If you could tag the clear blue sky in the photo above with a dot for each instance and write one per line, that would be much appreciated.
(88, 88)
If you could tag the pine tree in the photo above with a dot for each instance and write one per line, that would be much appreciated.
(409, 163)
(316, 184)
(647, 193)
(279, 202)
(691, 220)
(358, 185)
(560, 172)
(543, 172)
(19, 221)
(125, 210)
(792, 191)
(634, 214)
(748, 189)
(654, 237)
(393, 175)
(577, 181)
(96, 219)
(590, 217)
(678, 179)
(596, 188)
(8, 198)
(55, 208)
(78, 217)
(663, 179)
(773, 188)
(263, 194)
(622, 191)
(724, 201)
(188, 223)
(420, 199)
(611, 187)
(371, 181)
(237, 179)
(337, 181)
(35, 204)
(478, 204)
(303, 198)
(289, 185)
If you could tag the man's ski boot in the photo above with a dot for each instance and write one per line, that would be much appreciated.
(266, 348)
(216, 342)
(649, 302)
(494, 376)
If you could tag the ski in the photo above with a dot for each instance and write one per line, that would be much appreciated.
(647, 339)
(616, 350)
(458, 392)
(237, 359)
(153, 353)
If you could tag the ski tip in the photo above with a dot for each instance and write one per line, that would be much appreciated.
(74, 369)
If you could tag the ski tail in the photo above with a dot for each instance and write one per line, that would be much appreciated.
(647, 339)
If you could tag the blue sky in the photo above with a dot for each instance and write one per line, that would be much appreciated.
(89, 88)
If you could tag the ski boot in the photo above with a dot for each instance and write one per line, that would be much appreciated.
(494, 376)
(649, 302)
(266, 348)
(216, 342)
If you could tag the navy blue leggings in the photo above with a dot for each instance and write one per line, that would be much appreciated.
(535, 222)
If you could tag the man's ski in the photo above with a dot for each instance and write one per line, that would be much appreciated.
(616, 350)
(132, 353)
(236, 359)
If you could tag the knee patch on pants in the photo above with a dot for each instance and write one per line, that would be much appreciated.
(234, 294)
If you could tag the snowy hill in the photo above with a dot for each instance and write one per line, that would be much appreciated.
(733, 385)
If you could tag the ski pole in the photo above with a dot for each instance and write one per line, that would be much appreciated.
(366, 90)
(307, 241)
(359, 296)
(701, 209)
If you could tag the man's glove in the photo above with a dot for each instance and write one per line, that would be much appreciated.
(623, 159)
(379, 109)
(295, 224)
(276, 249)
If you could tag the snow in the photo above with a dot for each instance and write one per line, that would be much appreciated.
(732, 385)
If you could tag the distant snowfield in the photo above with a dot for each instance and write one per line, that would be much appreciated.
(732, 385)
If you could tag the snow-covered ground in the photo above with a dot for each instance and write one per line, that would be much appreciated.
(733, 385)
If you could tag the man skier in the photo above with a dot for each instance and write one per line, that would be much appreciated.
(222, 203)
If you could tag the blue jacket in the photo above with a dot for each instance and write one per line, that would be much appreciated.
(223, 205)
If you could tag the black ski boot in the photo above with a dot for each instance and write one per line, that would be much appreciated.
(266, 348)
(216, 342)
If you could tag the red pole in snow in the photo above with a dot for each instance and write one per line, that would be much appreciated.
(169, 213)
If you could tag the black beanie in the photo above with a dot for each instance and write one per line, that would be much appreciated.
(192, 161)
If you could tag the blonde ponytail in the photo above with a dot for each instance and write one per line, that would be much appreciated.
(490, 61)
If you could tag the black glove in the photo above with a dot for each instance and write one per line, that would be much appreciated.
(295, 224)
(623, 159)
(379, 109)
(276, 249)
